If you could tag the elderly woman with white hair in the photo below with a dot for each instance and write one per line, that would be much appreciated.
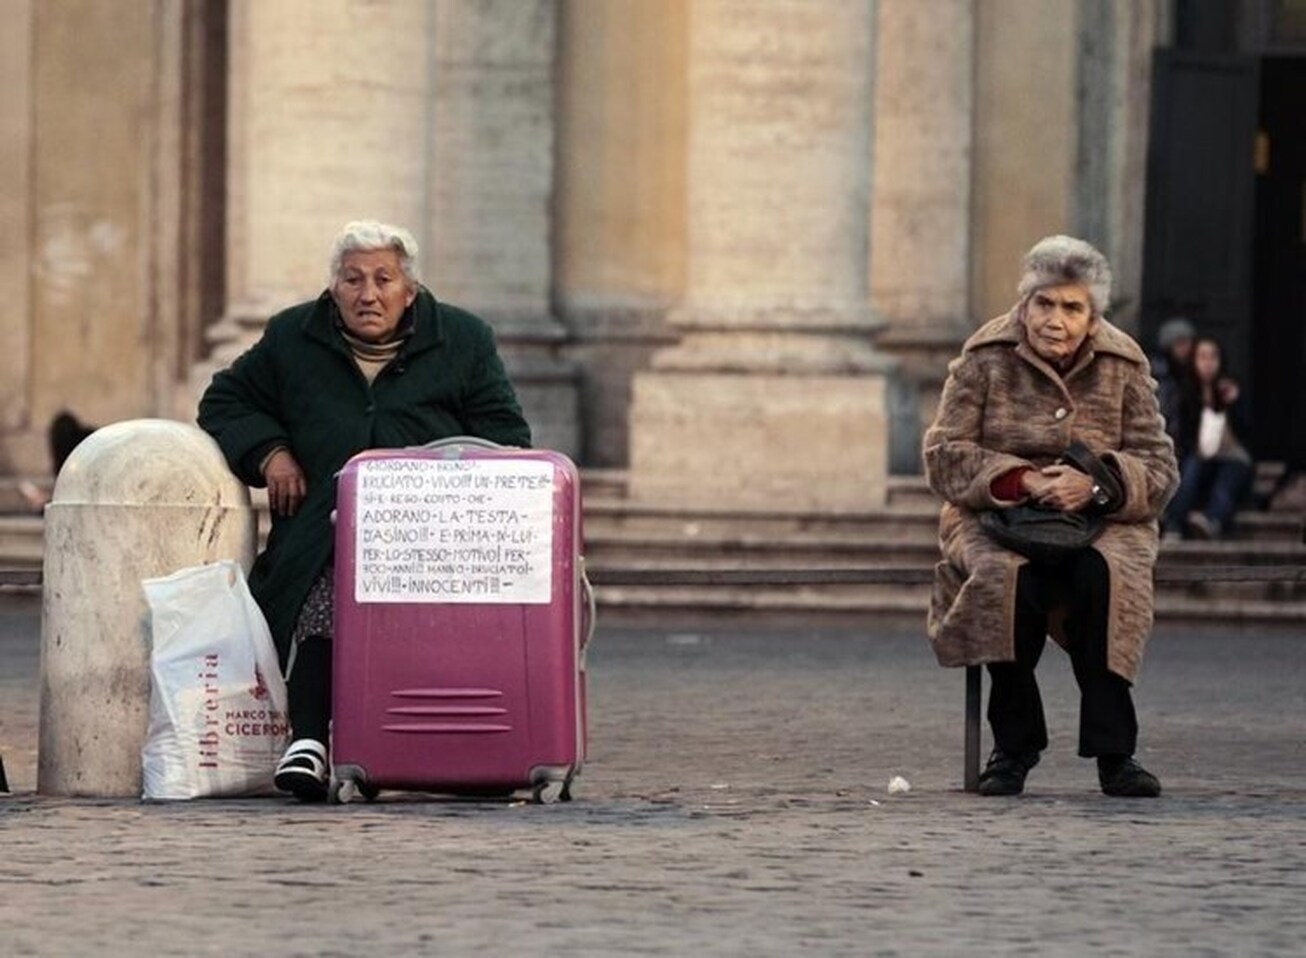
(1048, 377)
(375, 361)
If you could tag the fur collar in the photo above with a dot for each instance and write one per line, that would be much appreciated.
(1007, 329)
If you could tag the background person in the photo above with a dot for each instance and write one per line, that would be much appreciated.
(64, 434)
(1169, 367)
(1050, 371)
(1217, 470)
(373, 362)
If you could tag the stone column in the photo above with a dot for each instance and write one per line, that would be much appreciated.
(1025, 138)
(16, 129)
(920, 207)
(489, 193)
(619, 259)
(327, 123)
(1114, 100)
(775, 396)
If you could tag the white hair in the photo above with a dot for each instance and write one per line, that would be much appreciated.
(362, 236)
(1064, 260)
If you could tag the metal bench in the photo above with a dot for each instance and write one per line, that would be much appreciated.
(886, 575)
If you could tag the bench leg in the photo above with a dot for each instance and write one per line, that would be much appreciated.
(4, 782)
(974, 689)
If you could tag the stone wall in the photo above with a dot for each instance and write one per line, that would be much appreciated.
(90, 163)
(725, 202)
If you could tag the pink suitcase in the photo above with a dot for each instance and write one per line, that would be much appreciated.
(459, 653)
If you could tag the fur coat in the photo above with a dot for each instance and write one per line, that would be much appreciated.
(1003, 407)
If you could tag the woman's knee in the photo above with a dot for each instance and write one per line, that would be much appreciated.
(1087, 574)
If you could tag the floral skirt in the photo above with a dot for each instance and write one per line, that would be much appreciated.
(315, 613)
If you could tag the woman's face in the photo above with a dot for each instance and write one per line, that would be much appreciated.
(372, 293)
(1057, 321)
(1206, 361)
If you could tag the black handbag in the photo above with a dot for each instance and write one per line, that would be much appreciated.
(1050, 535)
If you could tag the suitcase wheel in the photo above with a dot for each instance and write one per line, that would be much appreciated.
(543, 793)
(348, 783)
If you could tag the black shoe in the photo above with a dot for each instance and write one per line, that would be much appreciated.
(303, 770)
(1123, 777)
(1004, 774)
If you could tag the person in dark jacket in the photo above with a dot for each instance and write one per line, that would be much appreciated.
(1169, 368)
(1216, 470)
(375, 361)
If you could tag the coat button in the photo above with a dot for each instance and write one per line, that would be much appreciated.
(1060, 413)
(371, 408)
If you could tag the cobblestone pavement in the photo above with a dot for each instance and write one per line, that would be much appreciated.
(735, 803)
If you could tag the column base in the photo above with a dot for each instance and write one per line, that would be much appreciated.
(730, 440)
(546, 384)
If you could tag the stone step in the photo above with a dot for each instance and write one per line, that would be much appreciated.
(14, 501)
(1256, 526)
(21, 540)
(21, 546)
(615, 484)
(912, 522)
(610, 515)
(830, 550)
(622, 548)
(849, 602)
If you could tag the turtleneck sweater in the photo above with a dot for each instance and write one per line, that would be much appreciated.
(373, 357)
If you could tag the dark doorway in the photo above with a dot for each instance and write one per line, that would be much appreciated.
(1197, 252)
(1279, 271)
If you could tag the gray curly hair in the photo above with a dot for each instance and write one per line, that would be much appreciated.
(364, 236)
(1063, 260)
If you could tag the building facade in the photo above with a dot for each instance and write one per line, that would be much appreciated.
(727, 244)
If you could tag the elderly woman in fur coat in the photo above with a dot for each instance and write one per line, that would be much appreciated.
(1026, 385)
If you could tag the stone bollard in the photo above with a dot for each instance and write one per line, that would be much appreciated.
(135, 500)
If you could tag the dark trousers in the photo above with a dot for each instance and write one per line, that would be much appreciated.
(1213, 486)
(1107, 722)
(308, 688)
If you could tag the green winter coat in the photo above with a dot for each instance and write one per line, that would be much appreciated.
(299, 386)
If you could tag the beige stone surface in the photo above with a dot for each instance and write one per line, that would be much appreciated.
(775, 395)
(1118, 197)
(596, 177)
(489, 205)
(90, 349)
(138, 499)
(729, 440)
(920, 209)
(620, 198)
(1025, 138)
(779, 179)
(489, 178)
(327, 124)
(622, 115)
(15, 210)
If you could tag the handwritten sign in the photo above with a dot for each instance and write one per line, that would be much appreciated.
(454, 530)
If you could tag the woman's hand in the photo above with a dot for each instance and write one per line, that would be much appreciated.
(1059, 487)
(286, 483)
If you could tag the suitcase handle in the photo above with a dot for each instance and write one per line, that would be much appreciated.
(448, 441)
(591, 606)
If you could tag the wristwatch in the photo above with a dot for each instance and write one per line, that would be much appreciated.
(1100, 496)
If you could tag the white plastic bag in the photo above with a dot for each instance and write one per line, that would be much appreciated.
(218, 721)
